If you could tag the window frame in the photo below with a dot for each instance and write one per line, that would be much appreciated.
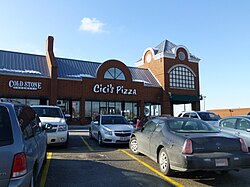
(114, 73)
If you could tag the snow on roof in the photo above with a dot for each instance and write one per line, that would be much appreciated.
(20, 71)
(80, 76)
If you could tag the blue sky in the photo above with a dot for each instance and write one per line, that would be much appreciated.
(216, 31)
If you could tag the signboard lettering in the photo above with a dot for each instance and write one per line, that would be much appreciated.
(25, 85)
(110, 89)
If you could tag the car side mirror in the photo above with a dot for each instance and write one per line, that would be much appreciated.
(96, 122)
(67, 115)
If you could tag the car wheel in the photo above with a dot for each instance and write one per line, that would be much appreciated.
(90, 133)
(164, 162)
(100, 139)
(133, 145)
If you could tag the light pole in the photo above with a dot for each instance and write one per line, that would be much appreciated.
(204, 97)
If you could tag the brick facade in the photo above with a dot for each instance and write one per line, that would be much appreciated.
(54, 88)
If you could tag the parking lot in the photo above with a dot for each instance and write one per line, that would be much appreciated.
(85, 163)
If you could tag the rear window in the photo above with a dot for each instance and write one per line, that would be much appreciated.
(207, 116)
(6, 136)
(48, 112)
(190, 126)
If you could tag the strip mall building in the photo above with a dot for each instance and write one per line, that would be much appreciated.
(165, 75)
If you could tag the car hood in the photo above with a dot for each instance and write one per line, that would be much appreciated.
(51, 120)
(119, 127)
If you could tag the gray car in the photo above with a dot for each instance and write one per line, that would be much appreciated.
(238, 126)
(110, 129)
(186, 144)
(22, 145)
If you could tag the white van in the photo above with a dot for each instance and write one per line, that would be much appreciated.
(53, 115)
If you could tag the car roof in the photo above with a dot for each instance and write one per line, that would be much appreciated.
(171, 118)
(241, 116)
(45, 106)
(13, 104)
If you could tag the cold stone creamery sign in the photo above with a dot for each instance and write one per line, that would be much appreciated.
(110, 89)
(25, 85)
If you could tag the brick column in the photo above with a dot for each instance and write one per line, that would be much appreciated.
(53, 69)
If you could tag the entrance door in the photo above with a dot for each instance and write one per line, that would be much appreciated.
(111, 110)
(103, 110)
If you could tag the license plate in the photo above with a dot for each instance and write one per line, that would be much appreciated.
(124, 139)
(221, 162)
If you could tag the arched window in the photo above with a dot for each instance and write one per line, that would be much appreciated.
(114, 73)
(181, 77)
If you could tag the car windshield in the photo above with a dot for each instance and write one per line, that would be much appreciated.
(48, 112)
(192, 126)
(114, 120)
(207, 116)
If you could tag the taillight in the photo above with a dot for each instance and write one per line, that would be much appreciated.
(19, 165)
(187, 147)
(244, 147)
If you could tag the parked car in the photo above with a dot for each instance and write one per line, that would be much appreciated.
(208, 117)
(53, 115)
(23, 147)
(110, 128)
(185, 144)
(238, 126)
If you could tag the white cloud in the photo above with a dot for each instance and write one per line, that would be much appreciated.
(92, 25)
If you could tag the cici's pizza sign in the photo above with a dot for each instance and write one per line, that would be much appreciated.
(110, 89)
(25, 85)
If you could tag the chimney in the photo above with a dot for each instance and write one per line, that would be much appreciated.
(52, 65)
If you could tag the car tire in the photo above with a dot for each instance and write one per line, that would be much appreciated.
(164, 163)
(65, 145)
(133, 145)
(90, 133)
(32, 181)
(45, 158)
(100, 140)
(33, 177)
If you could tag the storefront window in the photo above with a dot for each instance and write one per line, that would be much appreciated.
(135, 110)
(64, 105)
(103, 108)
(70, 107)
(23, 101)
(118, 108)
(95, 108)
(152, 109)
(130, 111)
(155, 110)
(88, 109)
(76, 109)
